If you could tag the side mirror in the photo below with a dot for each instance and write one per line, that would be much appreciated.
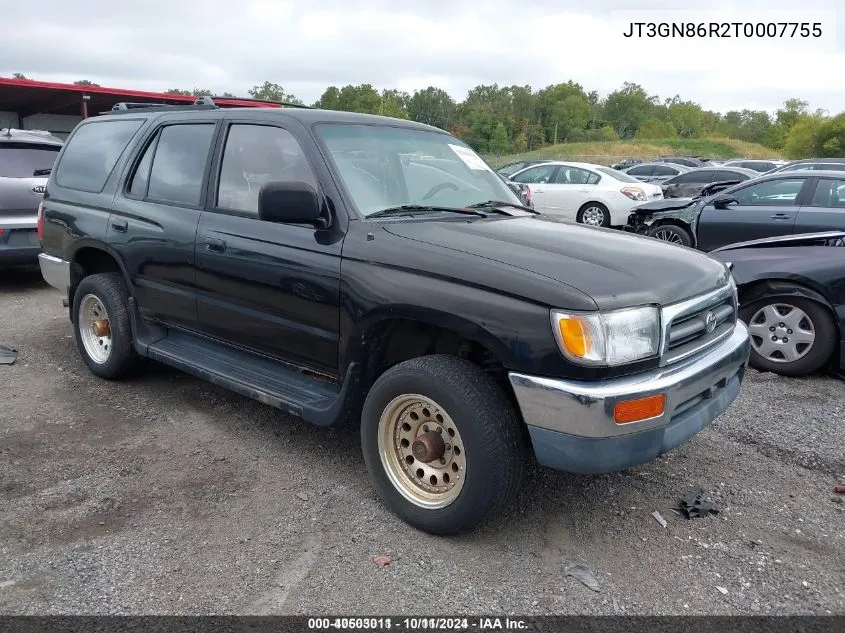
(724, 202)
(291, 203)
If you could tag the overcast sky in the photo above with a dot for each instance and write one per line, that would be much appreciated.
(307, 45)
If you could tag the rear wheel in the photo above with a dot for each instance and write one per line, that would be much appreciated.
(594, 214)
(791, 336)
(671, 233)
(442, 443)
(101, 325)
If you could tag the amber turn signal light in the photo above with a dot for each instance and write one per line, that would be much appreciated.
(640, 409)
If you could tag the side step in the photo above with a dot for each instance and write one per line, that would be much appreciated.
(259, 378)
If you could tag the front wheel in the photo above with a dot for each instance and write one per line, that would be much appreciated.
(671, 233)
(442, 444)
(791, 336)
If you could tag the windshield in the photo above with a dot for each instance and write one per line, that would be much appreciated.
(385, 167)
(22, 160)
(619, 175)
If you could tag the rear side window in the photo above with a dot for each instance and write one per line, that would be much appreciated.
(92, 152)
(730, 175)
(25, 160)
(172, 168)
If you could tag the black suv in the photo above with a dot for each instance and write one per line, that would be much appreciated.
(343, 266)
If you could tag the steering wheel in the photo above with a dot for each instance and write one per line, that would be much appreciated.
(438, 188)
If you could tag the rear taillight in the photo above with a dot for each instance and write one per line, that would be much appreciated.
(40, 225)
(527, 193)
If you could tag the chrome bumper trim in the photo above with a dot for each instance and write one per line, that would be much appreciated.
(585, 408)
(11, 223)
(55, 271)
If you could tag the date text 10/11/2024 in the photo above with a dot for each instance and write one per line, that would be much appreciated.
(417, 624)
(724, 29)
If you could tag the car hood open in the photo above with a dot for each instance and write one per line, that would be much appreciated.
(615, 269)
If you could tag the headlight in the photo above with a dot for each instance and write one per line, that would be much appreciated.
(608, 338)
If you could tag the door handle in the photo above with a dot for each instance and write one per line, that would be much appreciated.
(119, 225)
(539, 191)
(781, 216)
(214, 245)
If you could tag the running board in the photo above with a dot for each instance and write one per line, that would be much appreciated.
(257, 377)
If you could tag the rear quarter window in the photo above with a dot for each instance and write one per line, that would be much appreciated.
(92, 152)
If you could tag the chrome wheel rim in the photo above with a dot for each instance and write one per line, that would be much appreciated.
(668, 236)
(421, 451)
(594, 216)
(782, 333)
(94, 329)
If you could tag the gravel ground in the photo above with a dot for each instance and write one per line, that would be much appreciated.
(165, 494)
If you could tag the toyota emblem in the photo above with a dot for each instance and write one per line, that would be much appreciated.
(710, 322)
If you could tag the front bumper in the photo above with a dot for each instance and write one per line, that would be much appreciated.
(571, 422)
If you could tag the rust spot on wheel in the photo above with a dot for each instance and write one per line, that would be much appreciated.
(428, 447)
(101, 327)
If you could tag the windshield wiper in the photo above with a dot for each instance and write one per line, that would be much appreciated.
(412, 209)
(43, 172)
(493, 205)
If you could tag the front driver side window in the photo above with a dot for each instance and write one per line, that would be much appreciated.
(254, 155)
(771, 193)
(536, 175)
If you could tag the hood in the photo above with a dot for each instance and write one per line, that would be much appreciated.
(614, 268)
(17, 197)
(667, 204)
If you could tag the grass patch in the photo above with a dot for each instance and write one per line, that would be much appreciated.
(607, 152)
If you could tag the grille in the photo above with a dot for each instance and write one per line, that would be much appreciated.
(694, 325)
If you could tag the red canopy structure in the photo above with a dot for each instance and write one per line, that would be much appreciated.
(27, 97)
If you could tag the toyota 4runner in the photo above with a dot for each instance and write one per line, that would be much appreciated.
(343, 266)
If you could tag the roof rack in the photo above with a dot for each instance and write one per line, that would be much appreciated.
(204, 102)
(286, 104)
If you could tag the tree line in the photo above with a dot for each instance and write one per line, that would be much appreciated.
(497, 119)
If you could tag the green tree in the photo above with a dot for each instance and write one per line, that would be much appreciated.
(394, 103)
(352, 98)
(85, 82)
(801, 140)
(499, 140)
(628, 108)
(196, 92)
(432, 106)
(687, 118)
(269, 91)
(565, 111)
(19, 76)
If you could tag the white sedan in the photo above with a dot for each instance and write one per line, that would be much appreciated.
(585, 193)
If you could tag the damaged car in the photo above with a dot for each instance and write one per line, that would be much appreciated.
(792, 297)
(672, 219)
(771, 205)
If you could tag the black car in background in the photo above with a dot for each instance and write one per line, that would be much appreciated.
(812, 164)
(655, 172)
(792, 297)
(760, 166)
(686, 161)
(770, 205)
(691, 183)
